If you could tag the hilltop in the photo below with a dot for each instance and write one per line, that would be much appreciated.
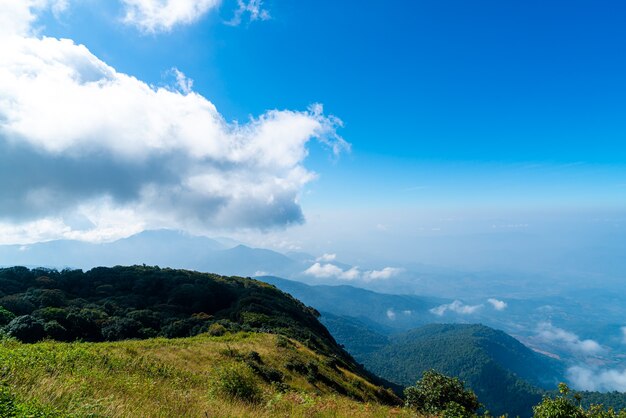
(241, 374)
(507, 376)
(141, 302)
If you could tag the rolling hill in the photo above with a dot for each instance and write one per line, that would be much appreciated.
(506, 375)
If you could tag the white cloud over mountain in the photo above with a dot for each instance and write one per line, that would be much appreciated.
(457, 307)
(79, 139)
(328, 270)
(552, 334)
(498, 305)
(593, 379)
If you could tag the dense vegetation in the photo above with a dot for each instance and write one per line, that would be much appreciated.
(240, 374)
(438, 394)
(502, 371)
(569, 405)
(111, 304)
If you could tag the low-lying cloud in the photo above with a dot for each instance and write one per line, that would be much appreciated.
(548, 333)
(328, 270)
(498, 305)
(457, 307)
(592, 379)
(79, 139)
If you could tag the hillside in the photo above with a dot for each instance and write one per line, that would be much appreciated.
(504, 373)
(140, 302)
(242, 374)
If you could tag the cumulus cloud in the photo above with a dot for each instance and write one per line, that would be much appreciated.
(253, 8)
(551, 334)
(327, 257)
(602, 380)
(385, 273)
(457, 307)
(498, 305)
(391, 314)
(17, 16)
(80, 139)
(329, 270)
(153, 16)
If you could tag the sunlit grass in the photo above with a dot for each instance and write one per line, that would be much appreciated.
(184, 378)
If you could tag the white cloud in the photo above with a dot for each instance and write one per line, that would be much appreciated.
(601, 380)
(260, 273)
(17, 16)
(80, 139)
(254, 8)
(184, 84)
(327, 257)
(329, 270)
(551, 334)
(324, 271)
(383, 274)
(457, 307)
(623, 329)
(391, 314)
(498, 305)
(153, 16)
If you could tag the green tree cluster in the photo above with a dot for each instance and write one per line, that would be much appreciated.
(438, 394)
(569, 405)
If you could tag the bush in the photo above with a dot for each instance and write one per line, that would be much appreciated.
(566, 405)
(117, 328)
(26, 329)
(5, 316)
(217, 330)
(440, 394)
(238, 382)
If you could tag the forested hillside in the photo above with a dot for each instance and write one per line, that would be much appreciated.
(504, 373)
(109, 304)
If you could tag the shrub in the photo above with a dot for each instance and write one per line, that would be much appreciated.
(437, 393)
(26, 329)
(5, 316)
(238, 382)
(566, 405)
(217, 330)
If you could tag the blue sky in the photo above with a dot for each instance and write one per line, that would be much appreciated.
(447, 87)
(481, 110)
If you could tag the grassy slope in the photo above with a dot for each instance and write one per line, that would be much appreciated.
(181, 377)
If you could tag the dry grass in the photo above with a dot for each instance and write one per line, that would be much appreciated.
(182, 378)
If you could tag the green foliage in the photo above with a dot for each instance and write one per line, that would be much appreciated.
(567, 405)
(110, 304)
(238, 382)
(26, 328)
(436, 393)
(10, 407)
(498, 368)
(5, 316)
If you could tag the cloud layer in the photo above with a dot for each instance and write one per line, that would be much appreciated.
(80, 140)
(586, 378)
(548, 333)
(498, 305)
(457, 307)
(328, 270)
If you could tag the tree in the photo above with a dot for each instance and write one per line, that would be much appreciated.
(566, 405)
(26, 329)
(436, 393)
